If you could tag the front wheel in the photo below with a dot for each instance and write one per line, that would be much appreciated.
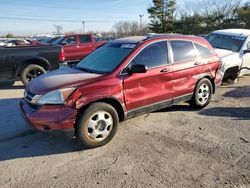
(97, 125)
(202, 94)
(30, 72)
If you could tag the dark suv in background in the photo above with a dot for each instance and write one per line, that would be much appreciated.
(120, 80)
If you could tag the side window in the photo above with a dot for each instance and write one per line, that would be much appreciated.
(183, 50)
(203, 51)
(70, 40)
(248, 45)
(85, 39)
(154, 55)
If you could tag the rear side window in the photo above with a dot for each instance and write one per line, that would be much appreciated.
(183, 50)
(154, 55)
(85, 39)
(203, 51)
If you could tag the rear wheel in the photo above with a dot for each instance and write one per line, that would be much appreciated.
(202, 94)
(30, 72)
(97, 125)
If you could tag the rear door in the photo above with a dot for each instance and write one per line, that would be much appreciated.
(154, 86)
(86, 46)
(210, 63)
(186, 68)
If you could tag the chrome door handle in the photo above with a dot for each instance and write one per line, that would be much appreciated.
(197, 63)
(165, 70)
(77, 46)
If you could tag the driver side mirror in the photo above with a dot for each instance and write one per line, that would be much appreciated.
(248, 45)
(137, 69)
(246, 51)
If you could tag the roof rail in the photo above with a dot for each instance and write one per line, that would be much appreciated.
(155, 35)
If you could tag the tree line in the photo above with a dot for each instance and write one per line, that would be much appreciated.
(201, 17)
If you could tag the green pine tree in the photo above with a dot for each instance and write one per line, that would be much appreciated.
(162, 16)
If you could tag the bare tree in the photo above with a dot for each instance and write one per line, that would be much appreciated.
(130, 28)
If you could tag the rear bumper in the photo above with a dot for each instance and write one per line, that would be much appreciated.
(57, 118)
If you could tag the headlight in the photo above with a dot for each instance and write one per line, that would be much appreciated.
(56, 97)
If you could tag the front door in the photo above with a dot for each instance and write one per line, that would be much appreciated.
(154, 86)
(86, 46)
(70, 47)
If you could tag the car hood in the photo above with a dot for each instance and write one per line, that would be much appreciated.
(224, 53)
(61, 78)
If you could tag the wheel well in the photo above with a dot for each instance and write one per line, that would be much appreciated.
(231, 73)
(212, 81)
(113, 102)
(116, 104)
(24, 64)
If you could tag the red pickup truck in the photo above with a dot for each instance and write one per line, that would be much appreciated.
(77, 46)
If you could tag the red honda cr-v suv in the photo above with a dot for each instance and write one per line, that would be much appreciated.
(120, 80)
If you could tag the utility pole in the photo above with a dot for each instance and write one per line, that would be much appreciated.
(141, 15)
(83, 27)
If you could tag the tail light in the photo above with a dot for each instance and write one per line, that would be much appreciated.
(61, 56)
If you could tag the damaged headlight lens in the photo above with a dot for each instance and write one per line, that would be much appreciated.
(56, 97)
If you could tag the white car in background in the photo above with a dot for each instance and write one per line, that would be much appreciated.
(2, 42)
(233, 47)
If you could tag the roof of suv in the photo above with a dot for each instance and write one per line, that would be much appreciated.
(238, 32)
(138, 39)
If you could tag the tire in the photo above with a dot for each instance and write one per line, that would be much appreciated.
(30, 72)
(202, 94)
(97, 125)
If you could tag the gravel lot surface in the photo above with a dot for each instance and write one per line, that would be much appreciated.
(175, 147)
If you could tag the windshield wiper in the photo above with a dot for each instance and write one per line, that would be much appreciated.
(89, 71)
(84, 69)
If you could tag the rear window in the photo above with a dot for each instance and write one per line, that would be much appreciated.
(183, 50)
(203, 51)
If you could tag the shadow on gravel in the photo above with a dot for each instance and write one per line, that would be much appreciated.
(239, 92)
(178, 108)
(36, 144)
(241, 113)
(20, 140)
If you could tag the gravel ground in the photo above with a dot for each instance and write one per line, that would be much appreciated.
(175, 147)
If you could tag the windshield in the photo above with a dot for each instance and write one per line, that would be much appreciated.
(57, 41)
(106, 58)
(227, 42)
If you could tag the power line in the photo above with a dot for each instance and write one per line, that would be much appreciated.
(51, 20)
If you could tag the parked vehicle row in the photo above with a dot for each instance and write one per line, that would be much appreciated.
(29, 62)
(77, 47)
(122, 79)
